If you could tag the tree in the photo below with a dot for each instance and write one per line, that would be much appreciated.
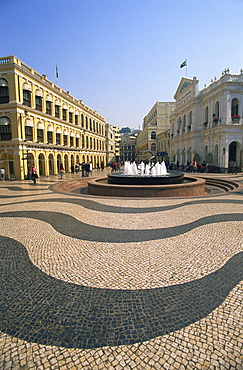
(209, 158)
(196, 157)
(125, 130)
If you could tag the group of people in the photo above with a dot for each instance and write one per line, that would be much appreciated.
(86, 168)
(115, 166)
(196, 167)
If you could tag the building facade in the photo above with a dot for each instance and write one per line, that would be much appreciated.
(156, 122)
(44, 125)
(208, 123)
(113, 139)
(128, 148)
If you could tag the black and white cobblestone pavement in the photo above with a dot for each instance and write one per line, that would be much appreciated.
(119, 283)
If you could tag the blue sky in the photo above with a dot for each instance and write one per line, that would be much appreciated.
(121, 56)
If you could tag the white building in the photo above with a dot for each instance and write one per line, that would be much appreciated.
(209, 121)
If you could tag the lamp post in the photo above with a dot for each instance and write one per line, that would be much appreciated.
(24, 155)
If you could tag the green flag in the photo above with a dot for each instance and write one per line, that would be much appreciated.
(183, 64)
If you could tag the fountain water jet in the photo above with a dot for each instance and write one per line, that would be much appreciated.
(149, 174)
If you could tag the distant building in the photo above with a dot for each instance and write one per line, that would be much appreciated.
(208, 123)
(128, 148)
(113, 139)
(44, 125)
(156, 122)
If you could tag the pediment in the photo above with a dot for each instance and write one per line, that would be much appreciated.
(184, 85)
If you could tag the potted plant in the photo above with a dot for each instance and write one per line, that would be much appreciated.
(196, 157)
(235, 118)
(209, 161)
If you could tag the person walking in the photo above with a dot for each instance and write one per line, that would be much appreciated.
(2, 172)
(203, 167)
(234, 169)
(90, 168)
(62, 171)
(33, 172)
(83, 168)
(87, 169)
(194, 166)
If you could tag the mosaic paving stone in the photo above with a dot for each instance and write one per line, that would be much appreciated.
(98, 283)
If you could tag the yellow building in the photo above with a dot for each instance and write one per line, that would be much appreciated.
(44, 125)
(156, 122)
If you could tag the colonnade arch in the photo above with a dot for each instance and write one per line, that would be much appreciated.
(49, 163)
(42, 164)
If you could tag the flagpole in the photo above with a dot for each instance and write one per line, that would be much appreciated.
(56, 74)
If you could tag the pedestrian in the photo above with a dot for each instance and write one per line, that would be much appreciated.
(77, 168)
(83, 168)
(33, 173)
(188, 165)
(72, 169)
(194, 166)
(203, 167)
(62, 171)
(87, 168)
(90, 168)
(2, 172)
(234, 169)
(98, 166)
(102, 166)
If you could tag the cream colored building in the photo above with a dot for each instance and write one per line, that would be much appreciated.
(113, 139)
(44, 125)
(156, 122)
(209, 121)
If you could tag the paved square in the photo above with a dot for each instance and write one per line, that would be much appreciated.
(116, 283)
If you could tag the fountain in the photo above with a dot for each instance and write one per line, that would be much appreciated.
(146, 180)
(145, 174)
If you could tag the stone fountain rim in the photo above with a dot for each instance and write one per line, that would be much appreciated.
(194, 188)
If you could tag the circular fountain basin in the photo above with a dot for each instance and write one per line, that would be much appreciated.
(191, 186)
(121, 179)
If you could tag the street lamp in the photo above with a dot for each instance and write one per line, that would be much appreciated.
(25, 155)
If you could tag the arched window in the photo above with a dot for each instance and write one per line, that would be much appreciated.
(50, 131)
(48, 104)
(86, 122)
(27, 94)
(40, 132)
(153, 147)
(206, 115)
(4, 93)
(5, 129)
(38, 100)
(29, 130)
(234, 107)
(184, 121)
(153, 135)
(217, 110)
(82, 120)
(190, 118)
